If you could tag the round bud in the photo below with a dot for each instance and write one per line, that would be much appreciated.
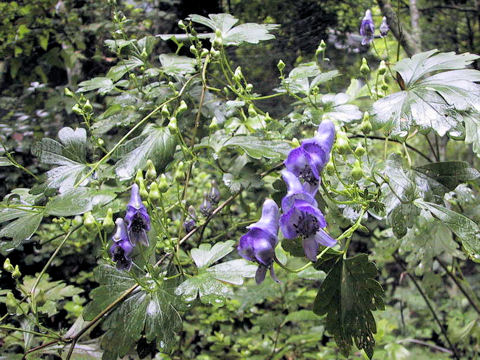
(193, 50)
(360, 150)
(280, 66)
(163, 184)
(151, 173)
(108, 225)
(213, 124)
(154, 193)
(7, 266)
(249, 87)
(342, 143)
(143, 190)
(89, 221)
(204, 53)
(182, 25)
(100, 142)
(364, 69)
(382, 69)
(172, 125)
(330, 168)
(357, 172)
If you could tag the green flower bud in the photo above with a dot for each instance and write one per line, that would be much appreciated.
(77, 220)
(238, 74)
(295, 142)
(251, 111)
(193, 50)
(280, 66)
(330, 168)
(68, 92)
(268, 117)
(108, 224)
(172, 125)
(383, 85)
(364, 69)
(204, 53)
(143, 190)
(182, 25)
(360, 150)
(154, 193)
(89, 221)
(218, 33)
(165, 112)
(163, 184)
(217, 41)
(181, 108)
(342, 143)
(249, 87)
(88, 107)
(16, 272)
(321, 48)
(144, 54)
(139, 176)
(77, 110)
(7, 266)
(365, 125)
(213, 124)
(151, 173)
(357, 172)
(100, 142)
(382, 69)
(215, 54)
(132, 76)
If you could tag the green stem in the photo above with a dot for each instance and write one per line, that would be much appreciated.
(29, 332)
(319, 256)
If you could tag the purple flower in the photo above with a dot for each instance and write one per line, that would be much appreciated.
(190, 222)
(122, 247)
(258, 244)
(138, 221)
(214, 194)
(305, 220)
(384, 27)
(296, 191)
(367, 28)
(308, 160)
(206, 206)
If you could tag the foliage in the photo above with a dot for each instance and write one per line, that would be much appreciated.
(186, 131)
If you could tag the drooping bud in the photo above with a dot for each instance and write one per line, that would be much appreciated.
(108, 224)
(68, 92)
(181, 108)
(154, 193)
(77, 110)
(360, 150)
(364, 68)
(151, 173)
(357, 172)
(163, 184)
(382, 69)
(16, 272)
(89, 221)
(342, 143)
(214, 194)
(366, 126)
(206, 206)
(172, 125)
(7, 266)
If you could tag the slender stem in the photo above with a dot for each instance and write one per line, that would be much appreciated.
(429, 305)
(5, 327)
(424, 343)
(284, 267)
(130, 132)
(460, 286)
(39, 347)
(37, 281)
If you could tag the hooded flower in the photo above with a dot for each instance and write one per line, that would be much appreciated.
(137, 219)
(367, 28)
(305, 220)
(122, 247)
(259, 243)
(308, 160)
(296, 191)
(384, 27)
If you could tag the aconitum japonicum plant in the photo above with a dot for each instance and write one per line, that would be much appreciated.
(259, 243)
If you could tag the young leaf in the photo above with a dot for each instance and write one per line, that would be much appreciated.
(438, 93)
(22, 229)
(250, 32)
(102, 84)
(69, 154)
(77, 201)
(209, 283)
(347, 296)
(177, 65)
(449, 173)
(156, 144)
(116, 72)
(466, 230)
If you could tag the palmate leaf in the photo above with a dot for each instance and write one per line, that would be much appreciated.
(153, 312)
(347, 296)
(211, 282)
(69, 155)
(155, 143)
(437, 93)
(250, 32)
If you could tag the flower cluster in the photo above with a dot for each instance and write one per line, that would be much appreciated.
(367, 28)
(130, 231)
(301, 216)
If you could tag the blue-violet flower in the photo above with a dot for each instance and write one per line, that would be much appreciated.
(259, 243)
(306, 220)
(367, 28)
(122, 247)
(308, 160)
(384, 27)
(296, 191)
(137, 219)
